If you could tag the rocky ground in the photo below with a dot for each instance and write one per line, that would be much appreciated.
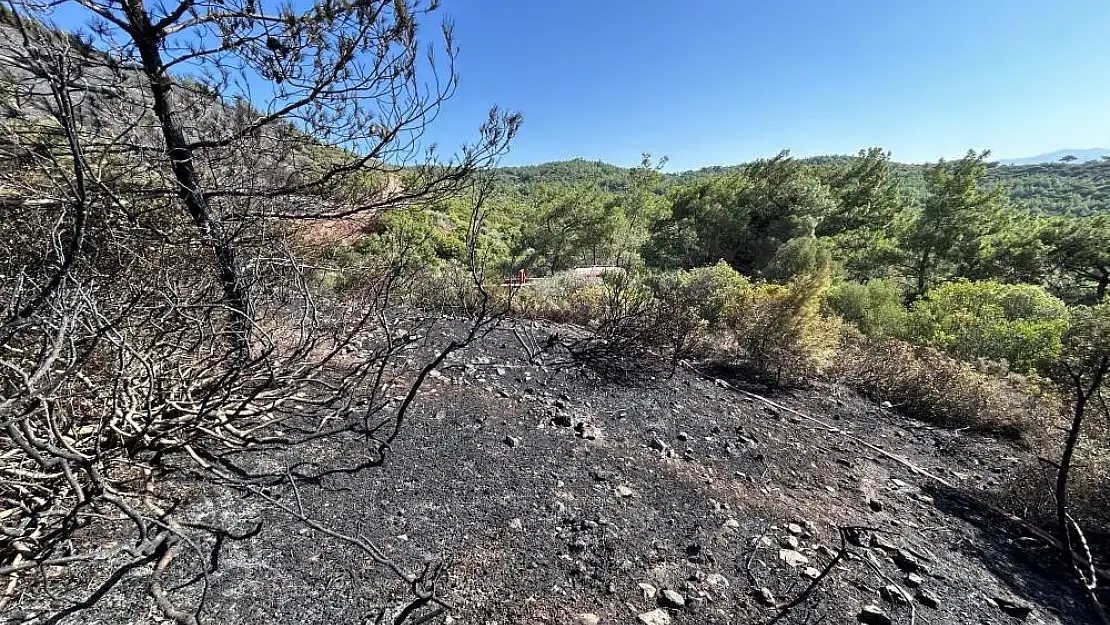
(558, 497)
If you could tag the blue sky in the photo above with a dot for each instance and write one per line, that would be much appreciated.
(724, 81)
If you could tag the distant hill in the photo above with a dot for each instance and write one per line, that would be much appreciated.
(1081, 156)
(1049, 187)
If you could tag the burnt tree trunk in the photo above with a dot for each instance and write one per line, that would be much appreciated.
(147, 40)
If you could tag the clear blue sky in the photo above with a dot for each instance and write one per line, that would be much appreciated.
(723, 81)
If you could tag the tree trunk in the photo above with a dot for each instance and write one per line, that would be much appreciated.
(213, 235)
(1103, 284)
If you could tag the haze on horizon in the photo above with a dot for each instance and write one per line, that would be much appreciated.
(724, 82)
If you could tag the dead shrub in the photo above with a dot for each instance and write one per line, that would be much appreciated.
(927, 384)
(779, 330)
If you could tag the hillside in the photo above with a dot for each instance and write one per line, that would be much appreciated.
(557, 497)
(1043, 188)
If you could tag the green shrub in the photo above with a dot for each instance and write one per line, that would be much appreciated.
(874, 307)
(704, 292)
(1020, 324)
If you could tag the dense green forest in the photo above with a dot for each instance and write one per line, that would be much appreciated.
(1050, 188)
(861, 218)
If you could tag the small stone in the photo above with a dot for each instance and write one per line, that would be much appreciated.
(875, 505)
(913, 580)
(588, 432)
(926, 600)
(624, 491)
(672, 599)
(811, 572)
(886, 405)
(732, 524)
(873, 615)
(683, 436)
(766, 597)
(648, 591)
(899, 483)
(658, 445)
(793, 558)
(516, 524)
(586, 618)
(658, 616)
(716, 579)
(1016, 609)
(790, 542)
(795, 529)
(923, 498)
(511, 441)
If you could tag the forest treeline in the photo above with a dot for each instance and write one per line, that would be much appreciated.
(862, 218)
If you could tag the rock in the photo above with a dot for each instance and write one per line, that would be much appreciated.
(765, 596)
(878, 542)
(875, 505)
(732, 524)
(873, 615)
(511, 441)
(623, 491)
(926, 600)
(892, 594)
(587, 432)
(793, 558)
(586, 618)
(648, 591)
(658, 445)
(672, 599)
(516, 524)
(923, 498)
(683, 436)
(811, 572)
(790, 542)
(716, 579)
(886, 405)
(913, 580)
(857, 536)
(899, 483)
(1016, 609)
(795, 529)
(905, 562)
(562, 420)
(658, 616)
(601, 475)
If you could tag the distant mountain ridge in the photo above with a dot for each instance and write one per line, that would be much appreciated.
(1081, 156)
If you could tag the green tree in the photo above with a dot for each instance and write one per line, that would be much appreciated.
(948, 236)
(569, 226)
(743, 218)
(868, 202)
(1079, 256)
(636, 209)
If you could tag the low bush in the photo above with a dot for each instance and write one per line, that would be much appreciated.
(874, 307)
(1020, 324)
